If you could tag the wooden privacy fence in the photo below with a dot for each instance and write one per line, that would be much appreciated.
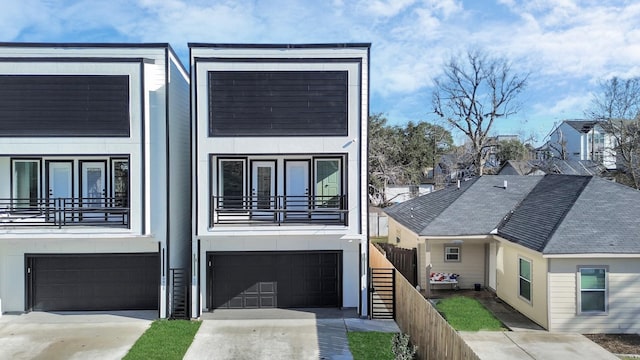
(404, 260)
(415, 316)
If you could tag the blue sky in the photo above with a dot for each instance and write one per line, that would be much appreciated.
(567, 46)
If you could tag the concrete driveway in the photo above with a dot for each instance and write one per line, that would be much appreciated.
(71, 335)
(528, 345)
(279, 334)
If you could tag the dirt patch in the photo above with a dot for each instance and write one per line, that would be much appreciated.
(617, 343)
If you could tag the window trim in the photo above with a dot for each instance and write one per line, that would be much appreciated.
(459, 253)
(579, 290)
(520, 277)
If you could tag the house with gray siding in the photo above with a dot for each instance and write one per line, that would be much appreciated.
(561, 249)
(280, 175)
(94, 167)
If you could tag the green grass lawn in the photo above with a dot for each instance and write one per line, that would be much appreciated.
(164, 340)
(370, 345)
(467, 314)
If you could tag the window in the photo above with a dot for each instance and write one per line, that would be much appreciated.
(26, 182)
(524, 272)
(121, 183)
(592, 284)
(452, 253)
(231, 184)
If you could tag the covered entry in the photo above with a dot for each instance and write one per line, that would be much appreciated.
(77, 282)
(289, 279)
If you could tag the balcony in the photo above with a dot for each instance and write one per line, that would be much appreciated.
(64, 212)
(278, 210)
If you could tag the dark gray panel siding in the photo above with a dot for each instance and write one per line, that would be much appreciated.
(278, 103)
(64, 105)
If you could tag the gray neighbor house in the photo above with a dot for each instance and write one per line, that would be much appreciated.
(561, 249)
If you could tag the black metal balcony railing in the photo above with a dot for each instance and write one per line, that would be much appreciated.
(64, 212)
(278, 210)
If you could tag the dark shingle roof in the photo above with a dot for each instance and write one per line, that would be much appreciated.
(583, 126)
(482, 207)
(535, 219)
(576, 167)
(418, 212)
(604, 219)
(551, 214)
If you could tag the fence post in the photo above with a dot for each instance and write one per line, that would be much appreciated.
(427, 291)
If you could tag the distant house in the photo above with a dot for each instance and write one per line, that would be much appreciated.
(492, 149)
(580, 140)
(563, 250)
(399, 193)
(552, 166)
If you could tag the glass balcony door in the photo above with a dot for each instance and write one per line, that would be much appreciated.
(263, 187)
(93, 184)
(297, 189)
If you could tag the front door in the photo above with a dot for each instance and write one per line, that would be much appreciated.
(328, 183)
(297, 189)
(263, 188)
(93, 188)
(93, 184)
(60, 180)
(60, 188)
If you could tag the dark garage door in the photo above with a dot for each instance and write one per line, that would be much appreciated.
(275, 279)
(93, 282)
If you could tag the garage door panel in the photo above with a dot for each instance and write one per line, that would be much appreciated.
(94, 282)
(275, 279)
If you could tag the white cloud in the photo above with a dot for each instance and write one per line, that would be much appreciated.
(385, 8)
(569, 44)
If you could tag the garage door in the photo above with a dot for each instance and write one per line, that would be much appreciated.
(275, 279)
(93, 282)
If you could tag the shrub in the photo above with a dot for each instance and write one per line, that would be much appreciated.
(402, 348)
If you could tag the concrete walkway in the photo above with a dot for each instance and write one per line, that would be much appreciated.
(526, 340)
(279, 334)
(511, 318)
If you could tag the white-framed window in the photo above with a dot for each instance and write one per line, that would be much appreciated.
(452, 253)
(592, 289)
(524, 274)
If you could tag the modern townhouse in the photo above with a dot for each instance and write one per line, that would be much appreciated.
(94, 176)
(280, 176)
(580, 140)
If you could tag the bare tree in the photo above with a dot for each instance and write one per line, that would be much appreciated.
(617, 107)
(473, 93)
(559, 146)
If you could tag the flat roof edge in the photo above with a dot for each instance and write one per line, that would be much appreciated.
(282, 46)
(84, 45)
